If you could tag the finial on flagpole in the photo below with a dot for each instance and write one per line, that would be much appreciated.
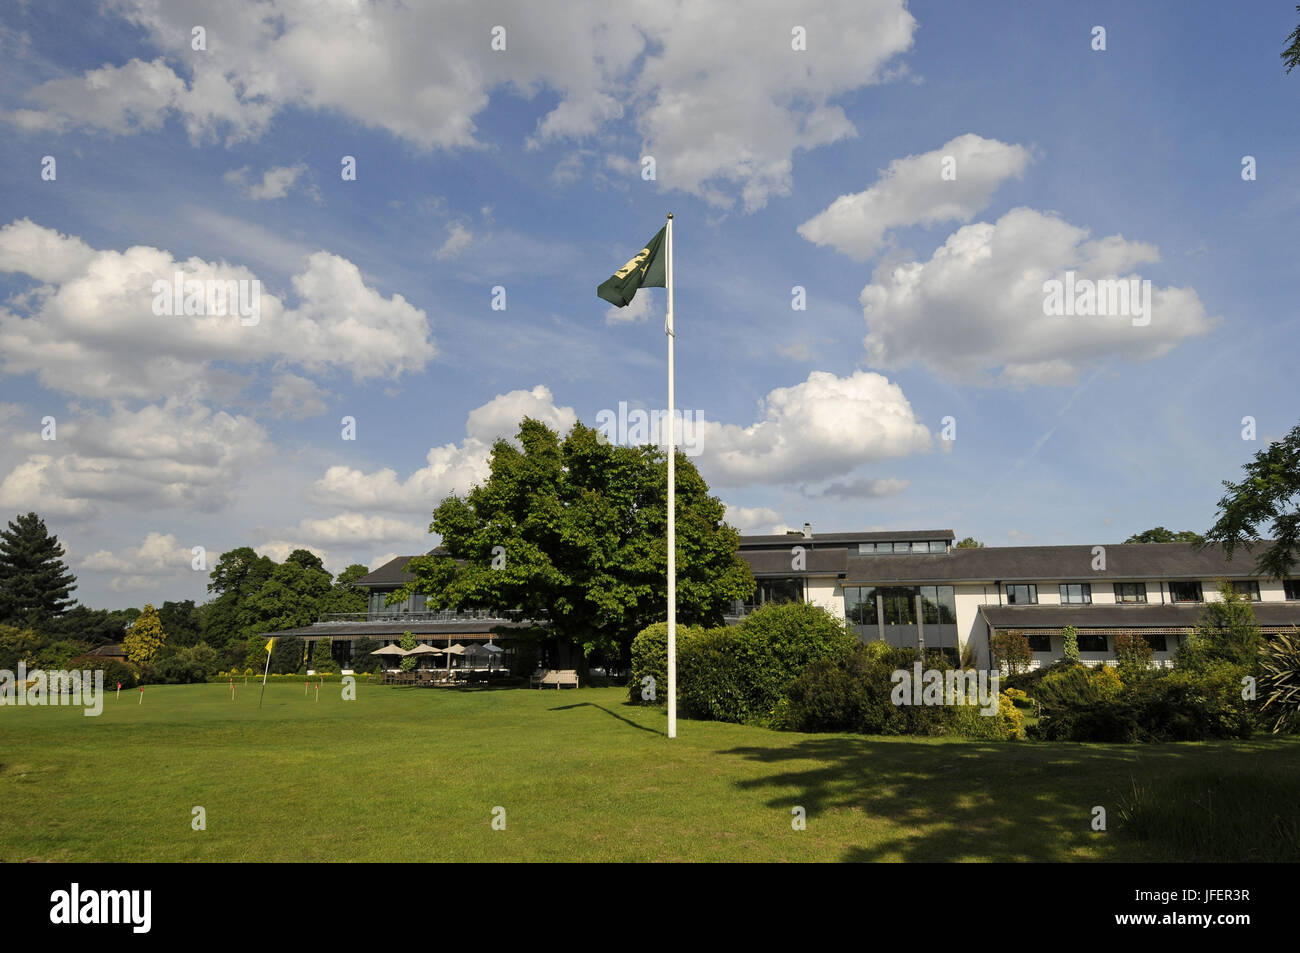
(670, 214)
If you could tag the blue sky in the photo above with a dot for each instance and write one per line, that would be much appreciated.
(522, 168)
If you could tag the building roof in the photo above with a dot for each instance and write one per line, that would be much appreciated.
(1125, 616)
(776, 562)
(395, 630)
(841, 539)
(111, 650)
(393, 573)
(1124, 561)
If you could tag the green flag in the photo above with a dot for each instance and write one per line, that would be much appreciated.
(645, 270)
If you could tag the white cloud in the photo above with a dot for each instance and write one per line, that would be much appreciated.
(975, 309)
(635, 312)
(865, 488)
(754, 520)
(177, 454)
(159, 557)
(913, 192)
(276, 182)
(823, 427)
(91, 329)
(723, 102)
(352, 529)
(297, 398)
(451, 468)
(458, 239)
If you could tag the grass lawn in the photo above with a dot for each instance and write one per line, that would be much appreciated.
(414, 774)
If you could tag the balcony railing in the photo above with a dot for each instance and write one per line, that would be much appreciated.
(435, 615)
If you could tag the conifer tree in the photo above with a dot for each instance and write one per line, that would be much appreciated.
(34, 580)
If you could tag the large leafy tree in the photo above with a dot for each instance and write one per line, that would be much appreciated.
(237, 575)
(1268, 496)
(970, 542)
(34, 581)
(573, 531)
(345, 595)
(181, 622)
(1158, 534)
(289, 598)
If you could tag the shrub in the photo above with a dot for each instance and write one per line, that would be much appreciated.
(407, 642)
(186, 665)
(1133, 652)
(362, 661)
(854, 693)
(114, 670)
(1012, 649)
(1070, 645)
(1226, 632)
(1007, 725)
(322, 658)
(1280, 682)
(650, 657)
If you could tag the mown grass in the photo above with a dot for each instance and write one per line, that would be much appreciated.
(414, 774)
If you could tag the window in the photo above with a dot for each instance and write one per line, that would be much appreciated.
(899, 604)
(1157, 642)
(1291, 588)
(1131, 593)
(1091, 643)
(860, 605)
(1076, 593)
(1248, 588)
(1039, 643)
(867, 549)
(921, 547)
(938, 545)
(902, 548)
(1185, 591)
(1022, 595)
(777, 590)
(938, 606)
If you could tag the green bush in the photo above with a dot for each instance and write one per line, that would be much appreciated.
(650, 657)
(1280, 682)
(187, 665)
(854, 693)
(322, 658)
(114, 671)
(1070, 645)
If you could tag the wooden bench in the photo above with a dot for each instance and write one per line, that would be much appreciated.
(559, 678)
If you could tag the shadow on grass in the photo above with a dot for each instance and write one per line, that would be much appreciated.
(948, 801)
(612, 714)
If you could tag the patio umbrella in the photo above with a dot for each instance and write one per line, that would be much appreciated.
(451, 650)
(425, 650)
(389, 650)
(493, 651)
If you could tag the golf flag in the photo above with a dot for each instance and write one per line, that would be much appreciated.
(645, 270)
(270, 645)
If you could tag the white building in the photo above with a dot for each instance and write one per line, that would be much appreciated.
(915, 588)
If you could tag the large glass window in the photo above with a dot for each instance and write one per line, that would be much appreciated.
(1248, 588)
(1157, 642)
(1039, 643)
(860, 605)
(1091, 643)
(938, 607)
(902, 548)
(899, 605)
(1076, 593)
(1131, 593)
(1185, 591)
(1022, 595)
(1291, 589)
(938, 545)
(789, 589)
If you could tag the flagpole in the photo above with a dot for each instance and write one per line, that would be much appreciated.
(672, 499)
(265, 673)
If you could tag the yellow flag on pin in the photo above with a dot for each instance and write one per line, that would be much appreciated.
(269, 644)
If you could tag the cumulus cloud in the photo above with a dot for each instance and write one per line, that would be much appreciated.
(159, 555)
(755, 520)
(177, 454)
(974, 312)
(865, 488)
(723, 102)
(297, 398)
(91, 329)
(451, 468)
(823, 427)
(351, 529)
(912, 191)
(637, 311)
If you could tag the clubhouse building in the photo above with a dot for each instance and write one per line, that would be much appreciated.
(916, 588)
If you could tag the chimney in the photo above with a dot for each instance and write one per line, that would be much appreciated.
(807, 530)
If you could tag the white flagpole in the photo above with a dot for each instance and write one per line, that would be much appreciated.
(672, 501)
